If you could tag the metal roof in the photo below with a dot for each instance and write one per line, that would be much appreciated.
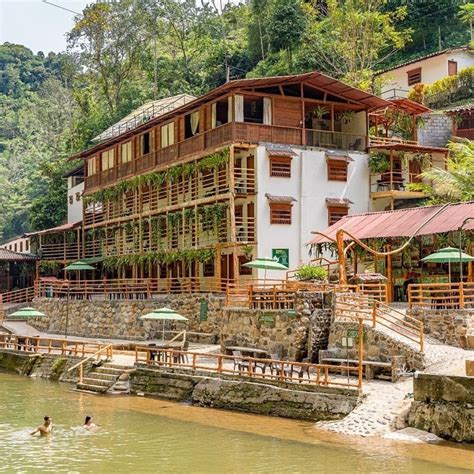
(409, 148)
(421, 58)
(53, 230)
(403, 222)
(280, 199)
(10, 256)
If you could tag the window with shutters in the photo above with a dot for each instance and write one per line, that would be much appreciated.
(280, 166)
(337, 170)
(280, 213)
(126, 152)
(336, 213)
(414, 76)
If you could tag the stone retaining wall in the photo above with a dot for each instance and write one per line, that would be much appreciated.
(119, 319)
(303, 401)
(448, 325)
(377, 345)
(444, 405)
(436, 130)
(49, 366)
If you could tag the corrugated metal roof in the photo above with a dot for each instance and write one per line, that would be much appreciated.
(282, 199)
(421, 58)
(403, 222)
(59, 228)
(11, 256)
(275, 149)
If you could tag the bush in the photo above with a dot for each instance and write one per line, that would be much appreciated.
(311, 272)
(378, 163)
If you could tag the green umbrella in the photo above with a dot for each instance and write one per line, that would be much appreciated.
(265, 263)
(448, 255)
(79, 265)
(28, 312)
(163, 314)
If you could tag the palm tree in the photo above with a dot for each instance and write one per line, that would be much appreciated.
(456, 182)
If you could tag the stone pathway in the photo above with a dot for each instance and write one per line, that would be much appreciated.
(385, 406)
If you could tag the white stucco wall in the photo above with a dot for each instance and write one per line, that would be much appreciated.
(20, 245)
(74, 210)
(310, 187)
(432, 69)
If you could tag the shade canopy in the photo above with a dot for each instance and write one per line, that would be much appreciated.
(163, 314)
(448, 255)
(79, 265)
(265, 263)
(27, 313)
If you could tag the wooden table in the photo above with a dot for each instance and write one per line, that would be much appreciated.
(248, 350)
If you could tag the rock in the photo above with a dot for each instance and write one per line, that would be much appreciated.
(413, 435)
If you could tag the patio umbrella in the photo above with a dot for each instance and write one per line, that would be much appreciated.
(76, 266)
(163, 314)
(448, 255)
(26, 313)
(265, 263)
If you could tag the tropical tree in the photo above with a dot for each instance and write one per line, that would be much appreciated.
(456, 182)
(466, 13)
(350, 38)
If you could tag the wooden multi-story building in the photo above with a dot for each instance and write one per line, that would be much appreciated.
(191, 192)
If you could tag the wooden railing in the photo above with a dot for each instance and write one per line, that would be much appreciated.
(261, 369)
(108, 349)
(382, 141)
(45, 345)
(15, 297)
(396, 181)
(465, 133)
(351, 307)
(441, 295)
(221, 136)
(127, 289)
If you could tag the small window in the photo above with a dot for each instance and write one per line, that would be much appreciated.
(336, 213)
(280, 213)
(145, 142)
(21, 246)
(253, 109)
(191, 125)
(414, 76)
(126, 152)
(107, 159)
(280, 166)
(27, 245)
(337, 170)
(452, 68)
(92, 166)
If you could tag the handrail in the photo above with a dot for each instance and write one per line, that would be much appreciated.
(441, 295)
(82, 362)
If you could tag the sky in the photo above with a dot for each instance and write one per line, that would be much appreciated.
(37, 25)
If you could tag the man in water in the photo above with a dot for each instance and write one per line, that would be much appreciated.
(46, 428)
(89, 424)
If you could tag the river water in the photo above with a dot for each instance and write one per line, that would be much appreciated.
(145, 435)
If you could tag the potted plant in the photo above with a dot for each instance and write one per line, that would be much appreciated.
(378, 163)
(311, 273)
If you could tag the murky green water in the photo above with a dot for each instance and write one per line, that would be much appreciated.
(145, 435)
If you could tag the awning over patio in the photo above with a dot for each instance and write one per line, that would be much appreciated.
(402, 223)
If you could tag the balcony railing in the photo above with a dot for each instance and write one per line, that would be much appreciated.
(222, 135)
(395, 181)
(384, 141)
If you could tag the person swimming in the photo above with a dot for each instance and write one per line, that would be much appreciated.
(46, 428)
(89, 423)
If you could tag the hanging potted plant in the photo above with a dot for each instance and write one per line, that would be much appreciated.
(378, 163)
(317, 115)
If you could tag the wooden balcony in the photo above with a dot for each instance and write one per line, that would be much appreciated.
(394, 185)
(221, 136)
(171, 196)
(385, 141)
(465, 133)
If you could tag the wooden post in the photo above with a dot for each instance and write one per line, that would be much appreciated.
(341, 258)
(389, 274)
(461, 295)
(218, 267)
(361, 350)
(374, 314)
(233, 230)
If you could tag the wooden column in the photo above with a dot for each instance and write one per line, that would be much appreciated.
(233, 231)
(341, 258)
(218, 267)
(389, 269)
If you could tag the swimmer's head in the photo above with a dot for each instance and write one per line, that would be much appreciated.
(88, 418)
(47, 419)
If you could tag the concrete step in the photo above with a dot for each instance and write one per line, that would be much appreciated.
(91, 387)
(111, 365)
(108, 371)
(103, 376)
(94, 381)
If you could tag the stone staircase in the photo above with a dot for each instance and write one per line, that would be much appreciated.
(108, 377)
